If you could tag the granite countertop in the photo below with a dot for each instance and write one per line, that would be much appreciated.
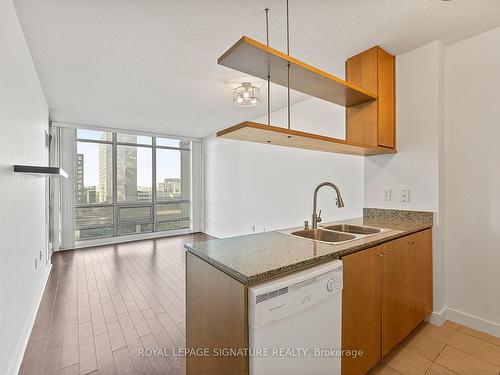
(257, 257)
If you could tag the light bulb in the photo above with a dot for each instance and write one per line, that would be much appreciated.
(240, 99)
(246, 94)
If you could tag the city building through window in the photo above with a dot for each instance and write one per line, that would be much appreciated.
(130, 184)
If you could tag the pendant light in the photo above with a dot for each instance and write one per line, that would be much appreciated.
(246, 95)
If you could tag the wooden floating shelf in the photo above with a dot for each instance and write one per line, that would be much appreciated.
(257, 59)
(267, 134)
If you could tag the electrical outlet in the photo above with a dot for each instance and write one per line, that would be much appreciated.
(36, 263)
(387, 194)
(405, 195)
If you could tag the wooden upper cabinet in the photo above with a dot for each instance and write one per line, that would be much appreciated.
(361, 310)
(373, 123)
(406, 286)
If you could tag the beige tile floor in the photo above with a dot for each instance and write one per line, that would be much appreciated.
(446, 350)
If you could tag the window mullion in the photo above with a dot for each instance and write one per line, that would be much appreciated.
(153, 187)
(115, 186)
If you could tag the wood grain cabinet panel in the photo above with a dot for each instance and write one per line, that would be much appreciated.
(386, 103)
(373, 123)
(406, 286)
(361, 310)
(387, 293)
(216, 317)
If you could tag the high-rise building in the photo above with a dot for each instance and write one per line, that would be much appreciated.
(79, 181)
(91, 193)
(170, 188)
(144, 194)
(105, 173)
(126, 172)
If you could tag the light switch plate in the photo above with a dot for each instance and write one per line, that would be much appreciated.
(405, 195)
(387, 194)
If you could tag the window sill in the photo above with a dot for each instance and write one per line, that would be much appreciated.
(128, 238)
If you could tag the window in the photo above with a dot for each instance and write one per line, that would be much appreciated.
(130, 184)
(93, 173)
(134, 173)
(172, 180)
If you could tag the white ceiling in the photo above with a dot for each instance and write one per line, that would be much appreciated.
(151, 64)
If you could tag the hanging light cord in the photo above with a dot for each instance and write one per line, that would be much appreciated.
(268, 73)
(288, 65)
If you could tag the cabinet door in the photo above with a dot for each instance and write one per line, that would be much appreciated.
(361, 119)
(420, 249)
(373, 123)
(386, 116)
(361, 310)
(406, 286)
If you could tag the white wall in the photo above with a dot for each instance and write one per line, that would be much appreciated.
(472, 199)
(418, 119)
(419, 111)
(271, 187)
(23, 118)
(448, 130)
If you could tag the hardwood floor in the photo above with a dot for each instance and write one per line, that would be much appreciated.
(104, 307)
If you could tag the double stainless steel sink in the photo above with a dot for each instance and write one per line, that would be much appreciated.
(323, 235)
(336, 233)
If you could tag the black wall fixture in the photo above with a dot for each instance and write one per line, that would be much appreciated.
(41, 171)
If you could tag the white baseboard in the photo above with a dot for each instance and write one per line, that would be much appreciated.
(437, 317)
(471, 321)
(17, 359)
(210, 234)
(474, 322)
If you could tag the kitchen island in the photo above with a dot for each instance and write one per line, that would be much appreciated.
(219, 272)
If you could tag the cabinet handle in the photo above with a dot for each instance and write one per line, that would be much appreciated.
(382, 253)
(411, 243)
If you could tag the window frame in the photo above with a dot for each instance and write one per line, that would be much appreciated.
(116, 223)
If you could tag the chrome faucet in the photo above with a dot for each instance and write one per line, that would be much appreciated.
(316, 217)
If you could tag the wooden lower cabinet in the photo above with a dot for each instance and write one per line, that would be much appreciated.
(387, 293)
(406, 287)
(361, 310)
(216, 317)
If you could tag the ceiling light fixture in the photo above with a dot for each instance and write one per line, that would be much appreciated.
(246, 95)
